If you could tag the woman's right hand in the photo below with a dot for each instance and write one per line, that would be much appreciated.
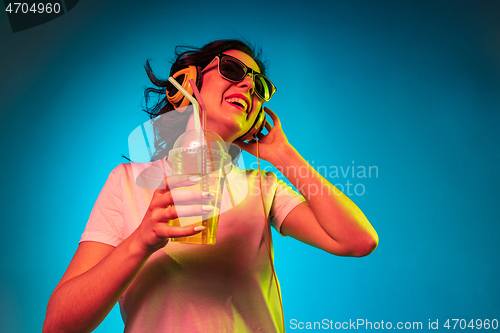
(154, 231)
(99, 274)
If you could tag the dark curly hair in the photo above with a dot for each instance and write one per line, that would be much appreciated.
(175, 123)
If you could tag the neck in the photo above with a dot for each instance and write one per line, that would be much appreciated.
(190, 126)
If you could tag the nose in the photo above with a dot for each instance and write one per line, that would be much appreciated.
(248, 81)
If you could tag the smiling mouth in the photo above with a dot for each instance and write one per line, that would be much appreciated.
(238, 102)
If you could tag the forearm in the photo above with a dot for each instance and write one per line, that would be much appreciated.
(344, 222)
(81, 303)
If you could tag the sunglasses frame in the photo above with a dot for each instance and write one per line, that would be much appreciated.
(248, 70)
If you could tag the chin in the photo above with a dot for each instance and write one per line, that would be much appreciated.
(229, 130)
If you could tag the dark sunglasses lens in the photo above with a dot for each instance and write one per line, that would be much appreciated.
(263, 87)
(232, 70)
(260, 87)
(235, 71)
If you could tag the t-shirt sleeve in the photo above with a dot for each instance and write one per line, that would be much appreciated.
(106, 221)
(285, 199)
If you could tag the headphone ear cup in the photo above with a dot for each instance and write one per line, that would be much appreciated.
(174, 96)
(256, 128)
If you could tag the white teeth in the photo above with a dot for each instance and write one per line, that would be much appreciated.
(239, 101)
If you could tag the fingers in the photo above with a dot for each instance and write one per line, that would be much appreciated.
(176, 181)
(171, 203)
(162, 196)
(173, 212)
(268, 126)
(181, 197)
(168, 231)
(273, 116)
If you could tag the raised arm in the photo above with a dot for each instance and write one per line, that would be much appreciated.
(328, 220)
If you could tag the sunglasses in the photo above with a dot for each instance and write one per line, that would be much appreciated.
(234, 70)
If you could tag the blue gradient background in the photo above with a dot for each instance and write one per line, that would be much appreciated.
(412, 87)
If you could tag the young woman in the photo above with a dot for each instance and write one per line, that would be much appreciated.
(226, 287)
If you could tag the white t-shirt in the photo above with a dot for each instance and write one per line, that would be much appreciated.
(226, 287)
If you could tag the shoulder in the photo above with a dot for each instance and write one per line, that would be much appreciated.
(119, 174)
(144, 175)
(121, 170)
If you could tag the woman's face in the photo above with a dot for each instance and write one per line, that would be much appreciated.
(231, 106)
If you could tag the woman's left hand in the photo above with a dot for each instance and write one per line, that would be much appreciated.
(269, 144)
